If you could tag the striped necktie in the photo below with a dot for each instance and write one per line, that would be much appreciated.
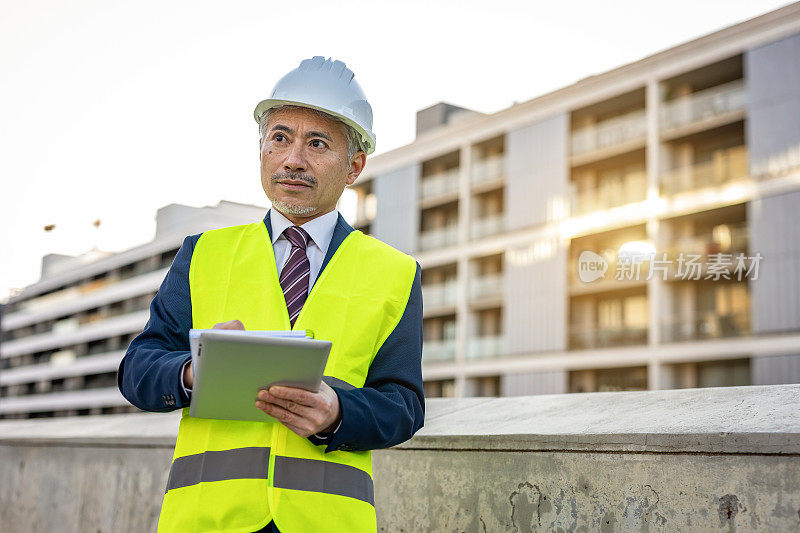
(295, 273)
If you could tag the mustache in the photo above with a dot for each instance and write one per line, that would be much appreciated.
(298, 176)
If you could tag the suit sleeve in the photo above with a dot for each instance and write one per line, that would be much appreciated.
(390, 407)
(150, 373)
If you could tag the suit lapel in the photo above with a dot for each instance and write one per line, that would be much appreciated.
(268, 223)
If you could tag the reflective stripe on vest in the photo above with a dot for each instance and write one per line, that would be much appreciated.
(323, 476)
(218, 465)
(290, 472)
(356, 303)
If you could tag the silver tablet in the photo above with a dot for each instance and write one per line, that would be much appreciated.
(230, 370)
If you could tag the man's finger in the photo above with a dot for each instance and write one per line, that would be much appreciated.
(293, 407)
(278, 412)
(230, 324)
(296, 395)
(296, 423)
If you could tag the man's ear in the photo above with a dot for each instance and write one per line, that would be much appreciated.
(357, 164)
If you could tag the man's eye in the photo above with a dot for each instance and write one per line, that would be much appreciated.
(316, 143)
(279, 137)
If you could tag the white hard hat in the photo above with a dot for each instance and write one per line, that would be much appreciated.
(329, 86)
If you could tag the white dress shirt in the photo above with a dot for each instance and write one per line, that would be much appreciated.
(320, 233)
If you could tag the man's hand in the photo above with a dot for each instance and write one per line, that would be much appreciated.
(306, 413)
(188, 372)
(230, 324)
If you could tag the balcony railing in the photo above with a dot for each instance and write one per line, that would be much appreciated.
(709, 325)
(439, 237)
(439, 184)
(704, 105)
(486, 346)
(735, 241)
(489, 225)
(488, 170)
(581, 338)
(439, 294)
(725, 166)
(611, 194)
(487, 286)
(439, 350)
(612, 132)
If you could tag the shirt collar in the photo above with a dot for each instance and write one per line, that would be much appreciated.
(320, 229)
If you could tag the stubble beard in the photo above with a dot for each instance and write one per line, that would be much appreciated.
(293, 209)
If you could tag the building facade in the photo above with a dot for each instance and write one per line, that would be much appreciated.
(587, 240)
(64, 336)
(691, 155)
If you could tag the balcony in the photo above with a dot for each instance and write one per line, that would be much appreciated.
(632, 189)
(63, 400)
(50, 309)
(439, 294)
(63, 367)
(489, 170)
(707, 108)
(65, 295)
(726, 166)
(438, 237)
(486, 346)
(615, 133)
(111, 327)
(438, 350)
(444, 184)
(581, 338)
(708, 325)
(488, 225)
(733, 239)
(487, 286)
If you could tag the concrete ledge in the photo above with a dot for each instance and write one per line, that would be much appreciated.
(687, 460)
(138, 429)
(751, 420)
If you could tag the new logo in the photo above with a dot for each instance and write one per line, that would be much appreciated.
(591, 266)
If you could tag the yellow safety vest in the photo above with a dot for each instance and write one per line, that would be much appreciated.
(237, 476)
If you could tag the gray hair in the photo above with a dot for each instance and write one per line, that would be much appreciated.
(354, 143)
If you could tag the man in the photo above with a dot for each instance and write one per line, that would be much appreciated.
(302, 267)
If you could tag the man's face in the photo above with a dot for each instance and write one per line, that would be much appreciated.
(304, 164)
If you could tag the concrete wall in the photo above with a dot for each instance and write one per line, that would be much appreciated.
(774, 226)
(532, 383)
(685, 460)
(772, 74)
(397, 194)
(775, 369)
(535, 312)
(85, 474)
(537, 171)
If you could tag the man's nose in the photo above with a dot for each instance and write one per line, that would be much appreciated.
(295, 160)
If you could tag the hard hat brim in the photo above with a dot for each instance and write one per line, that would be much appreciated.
(366, 139)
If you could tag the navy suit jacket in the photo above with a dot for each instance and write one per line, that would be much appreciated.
(387, 410)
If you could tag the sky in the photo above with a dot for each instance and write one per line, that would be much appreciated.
(110, 110)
